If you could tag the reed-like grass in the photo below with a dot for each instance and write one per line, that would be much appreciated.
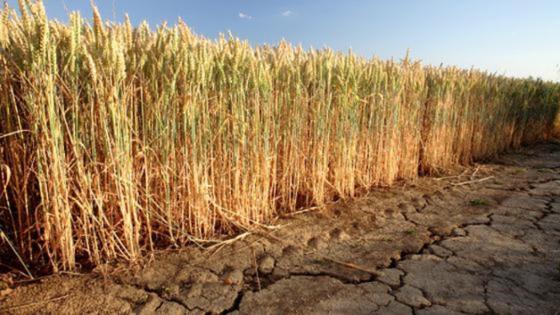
(116, 140)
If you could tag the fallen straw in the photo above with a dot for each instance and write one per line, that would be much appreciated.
(473, 181)
(17, 307)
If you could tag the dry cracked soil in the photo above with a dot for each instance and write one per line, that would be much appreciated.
(485, 241)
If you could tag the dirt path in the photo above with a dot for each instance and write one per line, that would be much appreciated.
(438, 246)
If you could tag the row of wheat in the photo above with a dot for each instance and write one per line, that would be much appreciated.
(115, 140)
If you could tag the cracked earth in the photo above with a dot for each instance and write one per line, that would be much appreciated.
(485, 241)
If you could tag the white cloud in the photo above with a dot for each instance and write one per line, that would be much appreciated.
(245, 16)
(287, 13)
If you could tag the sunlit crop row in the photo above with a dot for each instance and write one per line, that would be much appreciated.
(116, 140)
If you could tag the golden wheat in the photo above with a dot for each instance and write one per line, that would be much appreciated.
(117, 140)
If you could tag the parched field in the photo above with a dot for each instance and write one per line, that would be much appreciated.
(486, 241)
(153, 170)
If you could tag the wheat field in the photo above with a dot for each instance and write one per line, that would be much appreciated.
(117, 140)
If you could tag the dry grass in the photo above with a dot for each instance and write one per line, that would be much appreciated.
(117, 140)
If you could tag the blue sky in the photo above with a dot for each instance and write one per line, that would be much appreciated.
(512, 37)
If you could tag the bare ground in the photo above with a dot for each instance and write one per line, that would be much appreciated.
(486, 242)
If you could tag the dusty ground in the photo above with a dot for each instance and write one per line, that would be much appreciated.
(438, 246)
